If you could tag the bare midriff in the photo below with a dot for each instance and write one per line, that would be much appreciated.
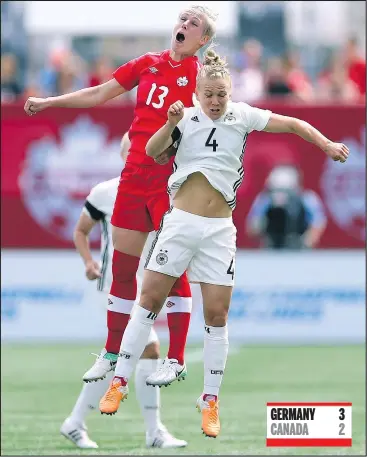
(197, 196)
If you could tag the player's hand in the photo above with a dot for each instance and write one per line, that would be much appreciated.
(339, 152)
(165, 156)
(92, 270)
(175, 113)
(34, 105)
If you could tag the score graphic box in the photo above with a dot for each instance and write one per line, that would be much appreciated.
(292, 424)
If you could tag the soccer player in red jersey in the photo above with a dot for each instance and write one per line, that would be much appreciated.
(142, 199)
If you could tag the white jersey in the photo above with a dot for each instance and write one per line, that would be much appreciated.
(99, 206)
(215, 148)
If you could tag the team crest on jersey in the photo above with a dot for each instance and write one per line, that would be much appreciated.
(229, 119)
(182, 81)
(162, 257)
(153, 70)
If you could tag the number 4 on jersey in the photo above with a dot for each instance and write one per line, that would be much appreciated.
(214, 144)
(230, 270)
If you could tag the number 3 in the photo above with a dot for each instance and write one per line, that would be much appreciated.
(161, 96)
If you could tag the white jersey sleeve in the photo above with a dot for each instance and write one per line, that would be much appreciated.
(254, 118)
(99, 203)
(182, 123)
(94, 203)
(99, 207)
(180, 127)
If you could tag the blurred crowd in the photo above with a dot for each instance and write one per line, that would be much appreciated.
(343, 78)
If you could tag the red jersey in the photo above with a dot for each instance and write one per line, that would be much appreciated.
(357, 73)
(161, 81)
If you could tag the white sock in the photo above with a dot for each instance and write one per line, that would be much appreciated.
(134, 341)
(148, 396)
(215, 357)
(89, 397)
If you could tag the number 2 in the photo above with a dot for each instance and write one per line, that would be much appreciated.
(208, 143)
(341, 429)
(161, 96)
(230, 270)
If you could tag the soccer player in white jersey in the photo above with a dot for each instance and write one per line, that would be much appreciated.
(98, 209)
(197, 234)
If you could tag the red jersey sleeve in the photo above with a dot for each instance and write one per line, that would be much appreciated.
(128, 74)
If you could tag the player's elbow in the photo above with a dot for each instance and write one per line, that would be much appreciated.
(150, 149)
(298, 126)
(107, 91)
(78, 236)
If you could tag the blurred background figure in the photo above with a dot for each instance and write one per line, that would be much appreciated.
(101, 70)
(10, 87)
(276, 81)
(249, 77)
(297, 78)
(284, 215)
(64, 72)
(334, 83)
(355, 65)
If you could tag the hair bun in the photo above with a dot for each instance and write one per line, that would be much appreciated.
(213, 59)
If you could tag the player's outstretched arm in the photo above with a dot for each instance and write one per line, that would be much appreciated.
(284, 124)
(162, 139)
(81, 241)
(84, 98)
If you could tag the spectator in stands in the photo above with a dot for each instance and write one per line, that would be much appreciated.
(249, 80)
(100, 72)
(297, 78)
(10, 87)
(71, 75)
(276, 83)
(64, 72)
(333, 83)
(356, 65)
(284, 215)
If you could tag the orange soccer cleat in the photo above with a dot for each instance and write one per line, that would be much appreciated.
(210, 423)
(116, 393)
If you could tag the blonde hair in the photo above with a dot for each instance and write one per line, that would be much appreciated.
(210, 18)
(214, 67)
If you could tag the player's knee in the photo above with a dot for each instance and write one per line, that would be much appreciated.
(151, 351)
(151, 300)
(216, 316)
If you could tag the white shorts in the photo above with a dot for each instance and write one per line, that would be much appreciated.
(203, 246)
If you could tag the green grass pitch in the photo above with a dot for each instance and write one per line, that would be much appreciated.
(41, 382)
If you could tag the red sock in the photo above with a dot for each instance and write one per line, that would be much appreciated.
(179, 322)
(210, 397)
(178, 326)
(116, 324)
(124, 268)
(122, 380)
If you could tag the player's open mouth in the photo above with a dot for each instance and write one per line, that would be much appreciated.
(215, 110)
(180, 37)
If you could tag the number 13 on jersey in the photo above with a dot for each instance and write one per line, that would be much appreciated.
(309, 424)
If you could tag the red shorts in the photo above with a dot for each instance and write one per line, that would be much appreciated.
(142, 197)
